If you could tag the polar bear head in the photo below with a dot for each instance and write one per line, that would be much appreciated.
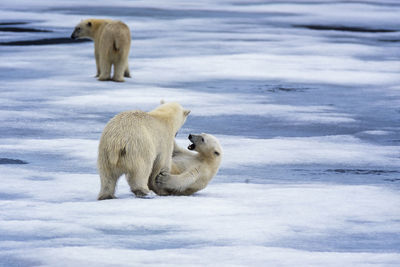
(83, 30)
(87, 28)
(172, 113)
(206, 144)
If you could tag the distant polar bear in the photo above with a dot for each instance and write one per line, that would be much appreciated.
(112, 42)
(190, 171)
(138, 144)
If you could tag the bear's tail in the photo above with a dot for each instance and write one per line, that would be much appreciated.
(115, 155)
(116, 45)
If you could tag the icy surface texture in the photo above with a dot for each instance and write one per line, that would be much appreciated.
(303, 95)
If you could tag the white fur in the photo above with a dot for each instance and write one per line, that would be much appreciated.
(138, 144)
(112, 42)
(191, 171)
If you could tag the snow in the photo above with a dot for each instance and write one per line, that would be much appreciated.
(308, 122)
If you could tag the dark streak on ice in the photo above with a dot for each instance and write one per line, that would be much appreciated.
(392, 180)
(12, 161)
(42, 41)
(47, 41)
(362, 171)
(286, 89)
(343, 28)
(17, 29)
(390, 40)
(13, 23)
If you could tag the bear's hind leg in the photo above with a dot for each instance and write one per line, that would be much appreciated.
(97, 65)
(127, 73)
(138, 180)
(160, 164)
(105, 70)
(108, 184)
(119, 70)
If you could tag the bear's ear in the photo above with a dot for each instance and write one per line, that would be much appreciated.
(186, 112)
(216, 153)
(89, 24)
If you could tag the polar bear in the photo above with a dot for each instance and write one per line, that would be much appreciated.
(112, 41)
(138, 144)
(190, 171)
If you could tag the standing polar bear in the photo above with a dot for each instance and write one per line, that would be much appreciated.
(138, 144)
(112, 41)
(190, 171)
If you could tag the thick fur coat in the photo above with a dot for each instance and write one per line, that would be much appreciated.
(191, 171)
(112, 42)
(138, 144)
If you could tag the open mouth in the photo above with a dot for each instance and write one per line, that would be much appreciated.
(192, 146)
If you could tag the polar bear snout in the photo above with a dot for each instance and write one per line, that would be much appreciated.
(193, 137)
(192, 146)
(75, 33)
(195, 140)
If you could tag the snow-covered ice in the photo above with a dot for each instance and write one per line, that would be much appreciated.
(303, 95)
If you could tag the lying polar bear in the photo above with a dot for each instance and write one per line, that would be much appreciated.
(191, 172)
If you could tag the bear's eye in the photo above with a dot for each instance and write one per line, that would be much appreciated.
(216, 153)
(202, 139)
(78, 29)
(89, 24)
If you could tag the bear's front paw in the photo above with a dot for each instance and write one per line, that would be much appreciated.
(161, 179)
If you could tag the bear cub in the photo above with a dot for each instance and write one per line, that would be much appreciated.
(190, 171)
